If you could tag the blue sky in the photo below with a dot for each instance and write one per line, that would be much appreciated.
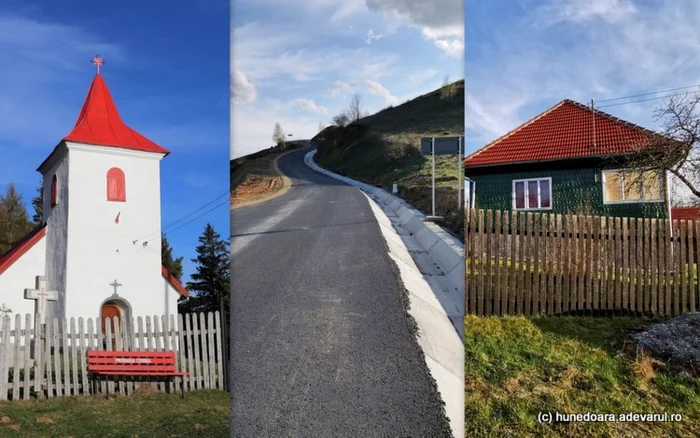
(298, 62)
(522, 57)
(167, 66)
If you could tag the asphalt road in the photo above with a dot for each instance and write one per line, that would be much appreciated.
(321, 343)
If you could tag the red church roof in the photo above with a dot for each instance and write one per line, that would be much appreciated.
(564, 131)
(99, 123)
(21, 247)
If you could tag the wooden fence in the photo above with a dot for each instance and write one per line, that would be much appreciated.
(49, 360)
(533, 264)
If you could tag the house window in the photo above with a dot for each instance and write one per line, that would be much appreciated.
(630, 186)
(54, 196)
(532, 194)
(116, 185)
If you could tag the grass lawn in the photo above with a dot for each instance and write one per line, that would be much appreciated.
(517, 367)
(202, 413)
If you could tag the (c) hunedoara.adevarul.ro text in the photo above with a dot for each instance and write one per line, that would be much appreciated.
(589, 417)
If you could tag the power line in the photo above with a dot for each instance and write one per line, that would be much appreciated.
(226, 202)
(648, 94)
(641, 100)
(227, 193)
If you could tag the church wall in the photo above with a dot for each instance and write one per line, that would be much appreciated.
(101, 245)
(56, 218)
(21, 275)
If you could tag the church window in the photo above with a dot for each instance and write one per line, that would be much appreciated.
(54, 198)
(116, 185)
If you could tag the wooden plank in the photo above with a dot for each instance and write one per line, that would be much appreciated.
(56, 352)
(482, 263)
(544, 237)
(173, 345)
(653, 273)
(558, 265)
(74, 356)
(108, 345)
(166, 345)
(580, 264)
(469, 262)
(488, 293)
(4, 356)
(190, 353)
(211, 352)
(27, 356)
(536, 291)
(551, 255)
(48, 344)
(220, 349)
(82, 344)
(595, 269)
(696, 250)
(682, 267)
(604, 261)
(668, 261)
(566, 264)
(512, 260)
(149, 334)
(204, 355)
(527, 264)
(65, 355)
(624, 242)
(504, 260)
(691, 266)
(38, 357)
(639, 266)
(118, 346)
(16, 343)
(130, 342)
(196, 347)
(676, 269)
(181, 348)
(497, 263)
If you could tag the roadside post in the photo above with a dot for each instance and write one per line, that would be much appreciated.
(443, 146)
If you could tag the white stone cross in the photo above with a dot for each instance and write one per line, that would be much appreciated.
(40, 295)
(115, 285)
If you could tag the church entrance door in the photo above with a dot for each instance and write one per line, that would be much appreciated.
(109, 311)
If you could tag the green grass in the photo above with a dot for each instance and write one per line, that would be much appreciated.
(517, 367)
(385, 148)
(202, 413)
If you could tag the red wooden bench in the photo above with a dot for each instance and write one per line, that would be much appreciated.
(156, 364)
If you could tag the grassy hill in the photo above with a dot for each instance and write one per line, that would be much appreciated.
(385, 148)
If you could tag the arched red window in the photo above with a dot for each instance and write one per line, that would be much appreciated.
(116, 185)
(54, 198)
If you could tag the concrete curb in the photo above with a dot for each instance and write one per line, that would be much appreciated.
(435, 293)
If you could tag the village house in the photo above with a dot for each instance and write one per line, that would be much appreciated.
(569, 160)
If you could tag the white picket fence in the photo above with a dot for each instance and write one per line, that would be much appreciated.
(46, 361)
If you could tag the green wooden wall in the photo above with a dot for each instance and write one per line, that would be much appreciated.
(574, 191)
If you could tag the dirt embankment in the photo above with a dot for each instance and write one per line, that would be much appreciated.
(256, 177)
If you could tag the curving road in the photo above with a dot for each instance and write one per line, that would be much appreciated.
(321, 343)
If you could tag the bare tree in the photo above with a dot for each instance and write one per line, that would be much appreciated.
(678, 149)
(278, 135)
(355, 112)
(448, 90)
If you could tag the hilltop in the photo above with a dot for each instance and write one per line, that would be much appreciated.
(384, 148)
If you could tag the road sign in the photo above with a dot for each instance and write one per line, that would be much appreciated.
(443, 145)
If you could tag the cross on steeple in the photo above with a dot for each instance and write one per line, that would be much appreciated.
(40, 295)
(115, 285)
(98, 61)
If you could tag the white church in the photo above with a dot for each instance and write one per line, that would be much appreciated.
(98, 253)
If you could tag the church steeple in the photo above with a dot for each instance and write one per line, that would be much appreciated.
(99, 122)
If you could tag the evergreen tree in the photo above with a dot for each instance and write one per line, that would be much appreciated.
(210, 284)
(14, 220)
(173, 265)
(38, 204)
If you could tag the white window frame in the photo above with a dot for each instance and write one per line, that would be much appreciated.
(539, 194)
(662, 189)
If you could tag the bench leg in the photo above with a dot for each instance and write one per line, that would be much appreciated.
(107, 386)
(182, 385)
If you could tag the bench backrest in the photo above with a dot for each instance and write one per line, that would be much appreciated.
(132, 361)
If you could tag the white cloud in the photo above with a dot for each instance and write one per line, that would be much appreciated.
(579, 11)
(242, 90)
(440, 21)
(375, 87)
(338, 88)
(310, 106)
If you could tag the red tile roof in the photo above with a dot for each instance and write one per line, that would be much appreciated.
(685, 213)
(174, 282)
(21, 247)
(564, 131)
(99, 123)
